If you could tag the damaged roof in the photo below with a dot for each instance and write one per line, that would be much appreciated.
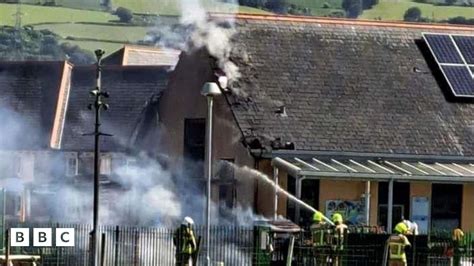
(31, 107)
(132, 118)
(346, 86)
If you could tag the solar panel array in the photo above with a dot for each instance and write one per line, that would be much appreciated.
(455, 57)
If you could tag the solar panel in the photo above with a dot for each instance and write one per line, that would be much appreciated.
(466, 46)
(443, 48)
(460, 79)
(455, 57)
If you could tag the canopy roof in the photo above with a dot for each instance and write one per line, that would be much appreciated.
(378, 170)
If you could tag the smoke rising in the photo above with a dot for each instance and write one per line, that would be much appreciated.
(196, 31)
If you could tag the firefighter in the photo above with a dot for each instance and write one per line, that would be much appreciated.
(397, 243)
(338, 238)
(318, 229)
(458, 237)
(185, 243)
(340, 230)
(319, 238)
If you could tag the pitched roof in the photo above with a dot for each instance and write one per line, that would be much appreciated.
(30, 93)
(346, 86)
(134, 55)
(134, 93)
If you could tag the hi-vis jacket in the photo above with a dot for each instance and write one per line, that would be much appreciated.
(397, 244)
(184, 240)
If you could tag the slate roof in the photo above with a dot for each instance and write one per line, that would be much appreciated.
(29, 94)
(347, 86)
(134, 93)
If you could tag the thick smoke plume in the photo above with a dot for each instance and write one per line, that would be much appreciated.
(196, 30)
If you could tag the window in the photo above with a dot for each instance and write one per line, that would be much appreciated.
(446, 206)
(397, 214)
(18, 165)
(13, 204)
(227, 183)
(72, 165)
(290, 205)
(105, 165)
(310, 195)
(194, 139)
(401, 197)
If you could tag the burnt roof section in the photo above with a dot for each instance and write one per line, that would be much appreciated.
(346, 86)
(132, 117)
(28, 102)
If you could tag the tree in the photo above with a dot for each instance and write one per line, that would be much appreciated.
(353, 8)
(125, 15)
(368, 4)
(412, 14)
(278, 6)
(450, 2)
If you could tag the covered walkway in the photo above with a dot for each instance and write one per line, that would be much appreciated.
(365, 169)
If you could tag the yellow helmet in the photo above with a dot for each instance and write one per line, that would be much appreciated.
(337, 218)
(317, 217)
(401, 228)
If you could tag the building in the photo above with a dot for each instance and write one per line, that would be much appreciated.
(45, 148)
(135, 55)
(338, 111)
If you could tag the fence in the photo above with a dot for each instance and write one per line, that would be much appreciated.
(132, 246)
(233, 245)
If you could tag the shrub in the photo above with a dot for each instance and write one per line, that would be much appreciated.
(412, 14)
(125, 15)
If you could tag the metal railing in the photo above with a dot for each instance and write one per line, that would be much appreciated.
(134, 246)
(234, 245)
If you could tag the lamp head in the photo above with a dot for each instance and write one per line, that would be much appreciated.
(210, 89)
(99, 53)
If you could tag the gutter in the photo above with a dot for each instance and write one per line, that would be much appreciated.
(302, 154)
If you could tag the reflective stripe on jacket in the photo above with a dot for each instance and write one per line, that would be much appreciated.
(184, 240)
(318, 234)
(397, 244)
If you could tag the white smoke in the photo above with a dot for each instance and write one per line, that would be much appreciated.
(197, 30)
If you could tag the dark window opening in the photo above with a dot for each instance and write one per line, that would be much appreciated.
(194, 149)
(194, 139)
(310, 195)
(401, 202)
(446, 206)
(226, 182)
(290, 205)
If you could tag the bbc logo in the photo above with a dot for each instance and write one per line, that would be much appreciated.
(42, 237)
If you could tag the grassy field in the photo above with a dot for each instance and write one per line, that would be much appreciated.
(171, 7)
(316, 4)
(394, 10)
(115, 33)
(33, 14)
(63, 21)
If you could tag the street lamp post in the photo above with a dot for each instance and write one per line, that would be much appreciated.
(210, 89)
(98, 104)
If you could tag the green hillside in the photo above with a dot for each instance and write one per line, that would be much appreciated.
(317, 7)
(171, 7)
(93, 29)
(122, 34)
(394, 10)
(33, 14)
